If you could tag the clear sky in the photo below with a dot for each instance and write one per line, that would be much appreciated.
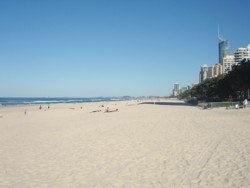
(80, 48)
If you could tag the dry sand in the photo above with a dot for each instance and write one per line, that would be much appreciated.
(139, 146)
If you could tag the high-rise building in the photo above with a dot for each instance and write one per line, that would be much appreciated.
(228, 62)
(210, 72)
(176, 86)
(242, 53)
(217, 70)
(203, 73)
(176, 90)
(224, 49)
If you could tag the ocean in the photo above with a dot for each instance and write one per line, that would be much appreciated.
(6, 101)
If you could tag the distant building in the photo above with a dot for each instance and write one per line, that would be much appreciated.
(203, 73)
(228, 62)
(176, 90)
(217, 70)
(224, 48)
(242, 53)
(210, 72)
(225, 61)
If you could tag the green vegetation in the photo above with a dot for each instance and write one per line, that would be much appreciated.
(233, 86)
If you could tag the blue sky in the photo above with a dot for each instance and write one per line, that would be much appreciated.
(78, 48)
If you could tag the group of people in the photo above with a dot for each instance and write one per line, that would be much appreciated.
(244, 103)
(40, 107)
(108, 110)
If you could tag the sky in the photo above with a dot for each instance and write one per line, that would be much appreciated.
(80, 48)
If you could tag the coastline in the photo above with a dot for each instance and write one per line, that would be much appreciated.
(13, 101)
(138, 146)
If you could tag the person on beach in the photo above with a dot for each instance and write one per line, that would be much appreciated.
(40, 107)
(25, 112)
(245, 103)
(95, 111)
(236, 106)
(108, 110)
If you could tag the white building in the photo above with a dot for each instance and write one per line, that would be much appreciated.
(210, 72)
(176, 90)
(228, 62)
(217, 70)
(203, 73)
(242, 53)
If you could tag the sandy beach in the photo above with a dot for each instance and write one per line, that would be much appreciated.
(141, 145)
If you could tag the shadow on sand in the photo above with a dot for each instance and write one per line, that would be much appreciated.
(169, 103)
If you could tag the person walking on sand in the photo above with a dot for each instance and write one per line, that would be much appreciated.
(40, 107)
(245, 103)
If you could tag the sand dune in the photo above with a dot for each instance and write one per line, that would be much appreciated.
(145, 145)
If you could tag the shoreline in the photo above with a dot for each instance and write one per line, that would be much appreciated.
(58, 104)
(138, 146)
(12, 101)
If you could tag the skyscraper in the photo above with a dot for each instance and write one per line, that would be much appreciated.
(176, 90)
(224, 48)
(203, 73)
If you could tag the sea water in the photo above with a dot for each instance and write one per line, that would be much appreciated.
(5, 101)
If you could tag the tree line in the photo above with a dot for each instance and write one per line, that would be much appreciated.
(233, 86)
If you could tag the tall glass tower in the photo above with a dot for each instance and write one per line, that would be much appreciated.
(224, 48)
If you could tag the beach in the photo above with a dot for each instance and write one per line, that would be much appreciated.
(170, 144)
